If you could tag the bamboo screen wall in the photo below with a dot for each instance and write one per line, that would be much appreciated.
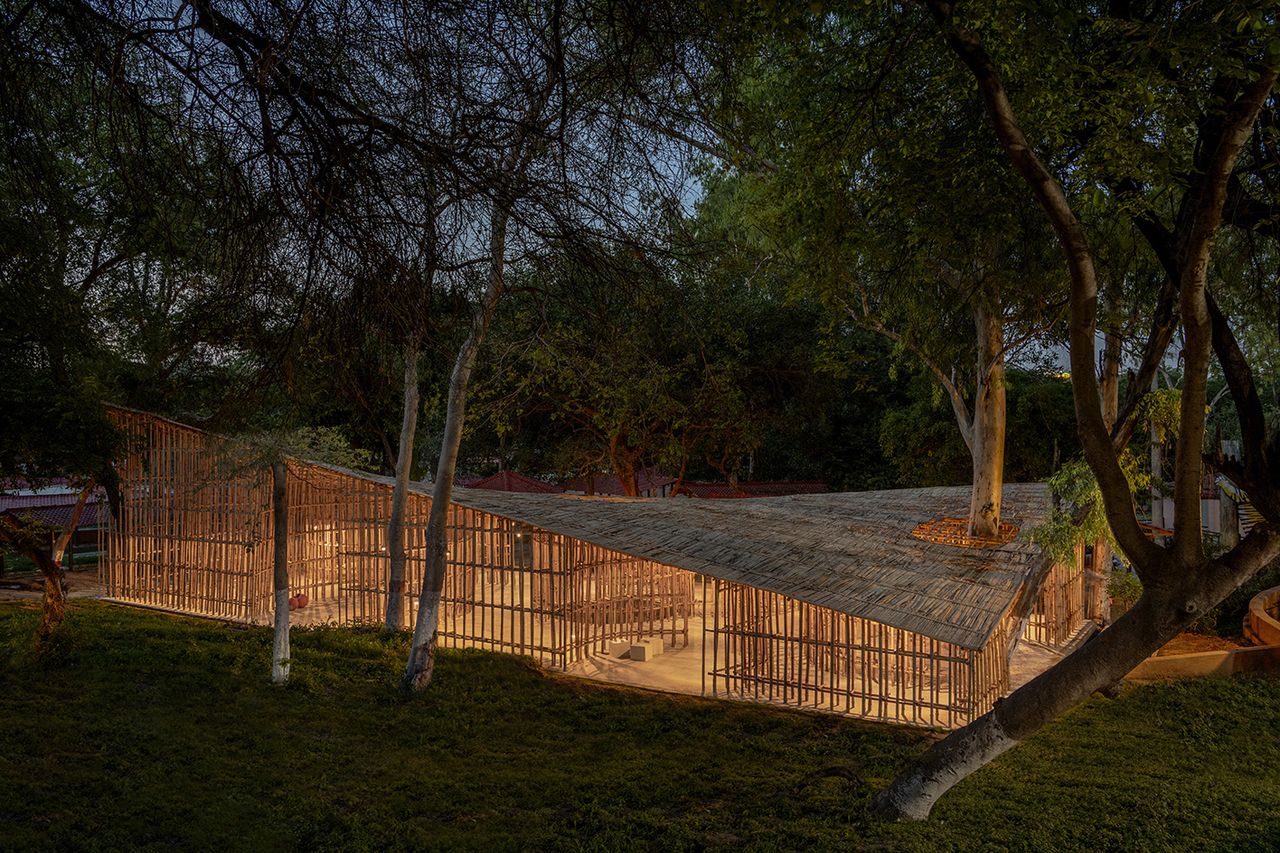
(1061, 607)
(195, 536)
(192, 529)
(764, 646)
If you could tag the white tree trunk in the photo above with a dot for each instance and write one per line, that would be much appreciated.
(422, 654)
(280, 574)
(1109, 378)
(404, 465)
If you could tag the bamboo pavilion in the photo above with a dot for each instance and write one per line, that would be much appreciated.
(859, 603)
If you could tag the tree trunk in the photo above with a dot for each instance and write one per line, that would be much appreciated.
(1229, 517)
(1157, 472)
(24, 540)
(987, 433)
(622, 460)
(280, 574)
(64, 538)
(1178, 583)
(422, 654)
(1099, 577)
(54, 601)
(404, 466)
(1109, 379)
(625, 468)
(1158, 616)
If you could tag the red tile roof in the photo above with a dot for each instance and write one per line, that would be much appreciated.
(59, 515)
(647, 480)
(711, 490)
(52, 502)
(510, 481)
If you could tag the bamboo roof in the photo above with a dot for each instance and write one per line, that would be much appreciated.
(852, 551)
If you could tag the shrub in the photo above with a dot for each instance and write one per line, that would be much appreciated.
(1124, 588)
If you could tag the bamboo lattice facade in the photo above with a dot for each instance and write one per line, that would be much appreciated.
(771, 648)
(1060, 608)
(194, 536)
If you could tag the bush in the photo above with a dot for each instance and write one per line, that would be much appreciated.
(1124, 588)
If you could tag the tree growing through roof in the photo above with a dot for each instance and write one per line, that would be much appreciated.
(1208, 105)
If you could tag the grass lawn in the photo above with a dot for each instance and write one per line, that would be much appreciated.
(151, 731)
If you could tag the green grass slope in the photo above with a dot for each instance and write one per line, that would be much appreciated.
(146, 731)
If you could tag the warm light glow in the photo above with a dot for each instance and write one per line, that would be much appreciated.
(955, 531)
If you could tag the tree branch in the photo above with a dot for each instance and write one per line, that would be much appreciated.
(1205, 217)
(964, 420)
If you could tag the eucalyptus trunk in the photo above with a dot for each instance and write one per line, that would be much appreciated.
(280, 572)
(988, 426)
(422, 654)
(399, 497)
(1157, 472)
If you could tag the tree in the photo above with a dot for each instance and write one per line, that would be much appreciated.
(1226, 72)
(633, 361)
(860, 201)
(370, 119)
(119, 275)
(560, 168)
(280, 570)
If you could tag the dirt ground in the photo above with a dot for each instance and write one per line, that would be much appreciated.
(80, 584)
(1188, 643)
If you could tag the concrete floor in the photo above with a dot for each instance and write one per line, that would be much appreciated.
(1030, 659)
(677, 670)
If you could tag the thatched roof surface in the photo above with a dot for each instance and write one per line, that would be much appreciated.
(852, 551)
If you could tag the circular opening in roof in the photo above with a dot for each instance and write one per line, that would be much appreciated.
(955, 531)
